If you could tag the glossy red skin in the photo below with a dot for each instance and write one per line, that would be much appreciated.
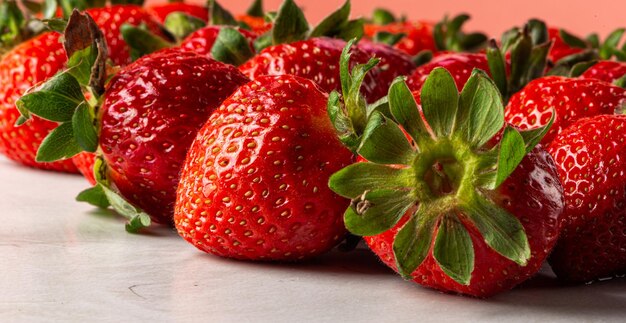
(316, 59)
(534, 195)
(84, 162)
(572, 99)
(201, 41)
(608, 71)
(559, 48)
(419, 35)
(255, 181)
(35, 61)
(151, 112)
(162, 10)
(258, 25)
(393, 63)
(460, 66)
(591, 158)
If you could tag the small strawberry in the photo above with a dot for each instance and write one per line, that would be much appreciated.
(300, 51)
(147, 116)
(460, 65)
(416, 37)
(561, 49)
(203, 40)
(591, 158)
(608, 71)
(568, 99)
(38, 59)
(162, 10)
(254, 185)
(447, 197)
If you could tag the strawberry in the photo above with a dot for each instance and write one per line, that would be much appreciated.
(414, 37)
(447, 197)
(85, 162)
(560, 49)
(460, 65)
(306, 53)
(148, 114)
(254, 184)
(570, 99)
(162, 10)
(590, 156)
(608, 71)
(254, 18)
(393, 63)
(35, 61)
(202, 40)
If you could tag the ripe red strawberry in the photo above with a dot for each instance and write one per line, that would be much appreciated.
(254, 184)
(571, 99)
(393, 63)
(258, 25)
(316, 59)
(591, 158)
(202, 40)
(162, 10)
(38, 59)
(425, 202)
(151, 112)
(460, 65)
(84, 162)
(560, 48)
(608, 71)
(418, 35)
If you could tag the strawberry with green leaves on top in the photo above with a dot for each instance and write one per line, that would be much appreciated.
(140, 122)
(591, 158)
(162, 10)
(299, 50)
(38, 59)
(607, 71)
(254, 184)
(450, 196)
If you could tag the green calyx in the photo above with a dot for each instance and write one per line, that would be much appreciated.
(290, 25)
(449, 35)
(435, 173)
(528, 50)
(256, 9)
(61, 99)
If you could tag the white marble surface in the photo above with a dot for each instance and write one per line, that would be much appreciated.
(64, 261)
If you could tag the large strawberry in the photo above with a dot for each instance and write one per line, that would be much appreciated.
(38, 59)
(300, 51)
(254, 185)
(414, 37)
(591, 159)
(568, 99)
(146, 119)
(460, 205)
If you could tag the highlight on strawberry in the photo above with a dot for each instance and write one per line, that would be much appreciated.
(448, 194)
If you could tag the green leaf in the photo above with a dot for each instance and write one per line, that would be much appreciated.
(54, 100)
(520, 58)
(263, 41)
(621, 82)
(404, 109)
(533, 137)
(256, 9)
(453, 250)
(382, 17)
(231, 47)
(80, 63)
(572, 40)
(381, 105)
(290, 24)
(353, 180)
(333, 23)
(219, 15)
(342, 122)
(423, 57)
(55, 24)
(440, 99)
(84, 129)
(94, 196)
(579, 68)
(387, 38)
(481, 114)
(611, 43)
(142, 41)
(384, 142)
(181, 25)
(351, 29)
(497, 67)
(59, 144)
(137, 219)
(593, 40)
(472, 42)
(412, 243)
(512, 151)
(538, 31)
(502, 231)
(378, 211)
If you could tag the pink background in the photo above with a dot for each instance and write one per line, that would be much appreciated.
(492, 16)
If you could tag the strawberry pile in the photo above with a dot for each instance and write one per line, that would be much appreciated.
(464, 162)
